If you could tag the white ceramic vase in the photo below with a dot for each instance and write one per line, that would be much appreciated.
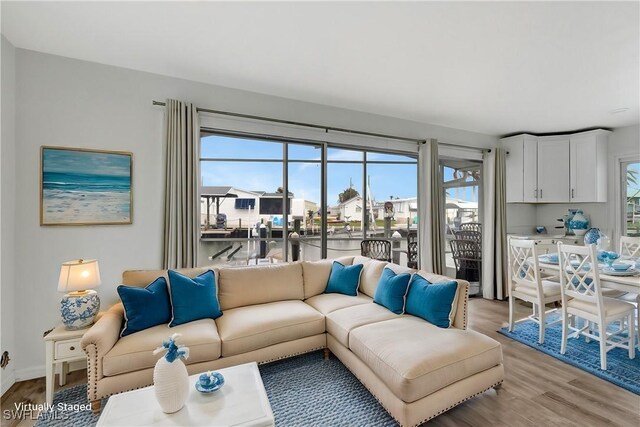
(171, 384)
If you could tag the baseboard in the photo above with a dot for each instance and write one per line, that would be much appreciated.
(40, 371)
(8, 379)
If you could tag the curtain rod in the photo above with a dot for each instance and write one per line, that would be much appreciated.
(311, 125)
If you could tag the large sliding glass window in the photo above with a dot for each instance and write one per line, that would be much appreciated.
(245, 216)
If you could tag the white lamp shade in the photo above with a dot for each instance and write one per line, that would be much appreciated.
(79, 275)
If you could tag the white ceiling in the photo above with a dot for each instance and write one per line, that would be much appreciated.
(495, 68)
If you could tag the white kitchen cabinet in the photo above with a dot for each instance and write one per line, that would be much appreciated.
(557, 168)
(520, 165)
(553, 169)
(588, 166)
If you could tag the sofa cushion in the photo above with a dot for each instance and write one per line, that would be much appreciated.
(261, 284)
(434, 302)
(341, 322)
(258, 326)
(372, 270)
(316, 274)
(145, 307)
(135, 352)
(392, 290)
(413, 368)
(459, 302)
(344, 279)
(326, 303)
(193, 298)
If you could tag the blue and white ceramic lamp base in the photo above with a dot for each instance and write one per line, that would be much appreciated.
(79, 309)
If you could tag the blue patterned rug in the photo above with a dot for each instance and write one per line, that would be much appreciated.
(621, 370)
(303, 391)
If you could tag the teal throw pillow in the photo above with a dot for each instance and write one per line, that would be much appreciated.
(344, 280)
(392, 290)
(193, 299)
(145, 307)
(431, 301)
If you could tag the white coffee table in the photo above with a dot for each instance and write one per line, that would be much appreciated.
(242, 401)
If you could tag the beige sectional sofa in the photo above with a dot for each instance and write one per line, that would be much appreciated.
(415, 369)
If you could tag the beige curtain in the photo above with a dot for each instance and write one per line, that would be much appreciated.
(430, 209)
(181, 201)
(494, 239)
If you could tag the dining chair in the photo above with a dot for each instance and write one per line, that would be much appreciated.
(582, 298)
(376, 248)
(526, 283)
(629, 246)
(471, 226)
(412, 250)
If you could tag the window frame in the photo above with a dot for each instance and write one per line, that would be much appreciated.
(324, 161)
(621, 196)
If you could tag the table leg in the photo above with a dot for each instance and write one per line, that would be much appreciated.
(64, 371)
(50, 372)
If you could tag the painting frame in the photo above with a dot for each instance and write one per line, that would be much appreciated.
(45, 221)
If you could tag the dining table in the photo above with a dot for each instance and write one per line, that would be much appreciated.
(620, 283)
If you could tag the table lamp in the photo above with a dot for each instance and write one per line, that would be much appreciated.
(79, 306)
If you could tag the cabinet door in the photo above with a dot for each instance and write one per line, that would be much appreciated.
(530, 180)
(582, 168)
(514, 169)
(553, 170)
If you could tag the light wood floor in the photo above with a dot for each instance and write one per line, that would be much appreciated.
(538, 390)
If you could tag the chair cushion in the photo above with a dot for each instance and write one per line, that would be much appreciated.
(258, 326)
(193, 298)
(145, 307)
(549, 288)
(135, 352)
(433, 302)
(612, 306)
(392, 290)
(413, 368)
(239, 287)
(341, 322)
(326, 303)
(316, 274)
(371, 273)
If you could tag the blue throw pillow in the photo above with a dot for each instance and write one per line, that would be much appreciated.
(193, 299)
(431, 301)
(344, 280)
(145, 307)
(392, 290)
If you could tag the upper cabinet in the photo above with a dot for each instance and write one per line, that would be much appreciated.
(588, 166)
(553, 169)
(557, 169)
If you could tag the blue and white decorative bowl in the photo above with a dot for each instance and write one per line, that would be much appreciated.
(79, 309)
(209, 382)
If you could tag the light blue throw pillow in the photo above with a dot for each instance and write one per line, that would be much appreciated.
(392, 290)
(431, 301)
(344, 280)
(145, 307)
(193, 299)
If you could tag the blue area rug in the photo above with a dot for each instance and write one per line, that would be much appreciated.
(621, 370)
(304, 391)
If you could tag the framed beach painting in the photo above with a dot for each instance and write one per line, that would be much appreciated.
(81, 186)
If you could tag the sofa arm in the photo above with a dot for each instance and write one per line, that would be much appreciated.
(97, 341)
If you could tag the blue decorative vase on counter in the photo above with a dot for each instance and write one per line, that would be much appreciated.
(579, 223)
(591, 236)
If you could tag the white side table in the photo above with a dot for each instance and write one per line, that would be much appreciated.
(62, 346)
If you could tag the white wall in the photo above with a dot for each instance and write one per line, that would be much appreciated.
(7, 212)
(68, 102)
(623, 142)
